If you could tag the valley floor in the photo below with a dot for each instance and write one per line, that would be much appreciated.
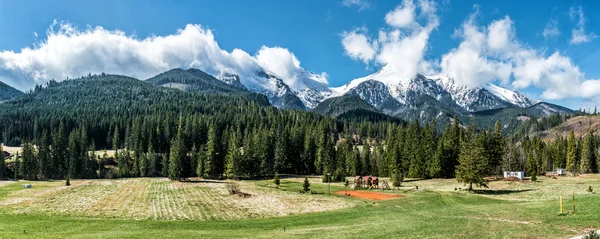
(158, 208)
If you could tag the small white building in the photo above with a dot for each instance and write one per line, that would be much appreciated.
(561, 172)
(517, 174)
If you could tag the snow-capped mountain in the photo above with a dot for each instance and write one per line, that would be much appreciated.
(385, 89)
(388, 83)
(306, 86)
(488, 97)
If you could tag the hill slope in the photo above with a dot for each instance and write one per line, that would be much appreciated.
(343, 104)
(8, 93)
(579, 124)
(194, 80)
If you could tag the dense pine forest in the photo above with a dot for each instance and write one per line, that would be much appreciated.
(157, 131)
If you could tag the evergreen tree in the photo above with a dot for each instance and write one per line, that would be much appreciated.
(572, 152)
(397, 178)
(74, 154)
(144, 165)
(358, 168)
(28, 165)
(59, 153)
(44, 158)
(152, 161)
(232, 157)
(2, 163)
(366, 159)
(588, 154)
(276, 179)
(308, 154)
(496, 148)
(17, 167)
(116, 139)
(211, 156)
(472, 166)
(306, 185)
(281, 152)
(435, 167)
(178, 154)
(200, 155)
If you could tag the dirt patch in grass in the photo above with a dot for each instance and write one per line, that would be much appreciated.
(369, 195)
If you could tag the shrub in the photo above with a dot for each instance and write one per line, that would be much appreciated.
(276, 179)
(397, 179)
(306, 185)
(533, 178)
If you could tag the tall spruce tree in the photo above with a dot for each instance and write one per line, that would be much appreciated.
(472, 167)
(59, 153)
(232, 157)
(29, 162)
(211, 156)
(178, 153)
(44, 158)
(588, 153)
(2, 163)
(571, 152)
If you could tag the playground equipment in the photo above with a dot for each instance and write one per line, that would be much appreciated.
(369, 182)
(385, 185)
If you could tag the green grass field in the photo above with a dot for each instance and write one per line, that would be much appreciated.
(436, 210)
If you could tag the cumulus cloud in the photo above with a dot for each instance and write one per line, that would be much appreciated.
(551, 29)
(361, 4)
(578, 34)
(402, 16)
(491, 53)
(470, 63)
(70, 52)
(403, 44)
(358, 45)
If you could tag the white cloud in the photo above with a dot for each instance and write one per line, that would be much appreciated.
(358, 45)
(403, 16)
(469, 63)
(403, 45)
(578, 34)
(500, 35)
(70, 52)
(551, 29)
(361, 4)
(491, 53)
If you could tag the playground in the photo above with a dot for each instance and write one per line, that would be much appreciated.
(368, 194)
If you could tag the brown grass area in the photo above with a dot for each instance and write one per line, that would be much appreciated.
(161, 199)
(580, 126)
(368, 194)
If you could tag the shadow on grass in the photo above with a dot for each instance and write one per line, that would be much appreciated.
(500, 192)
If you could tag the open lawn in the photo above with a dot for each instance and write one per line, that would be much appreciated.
(164, 209)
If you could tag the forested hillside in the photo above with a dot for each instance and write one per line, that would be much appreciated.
(7, 92)
(159, 131)
(194, 80)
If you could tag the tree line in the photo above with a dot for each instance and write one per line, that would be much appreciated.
(156, 131)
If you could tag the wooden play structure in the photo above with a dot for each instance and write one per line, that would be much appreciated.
(369, 182)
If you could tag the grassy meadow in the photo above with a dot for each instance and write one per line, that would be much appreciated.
(158, 208)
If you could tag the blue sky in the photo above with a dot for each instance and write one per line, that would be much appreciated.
(313, 31)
